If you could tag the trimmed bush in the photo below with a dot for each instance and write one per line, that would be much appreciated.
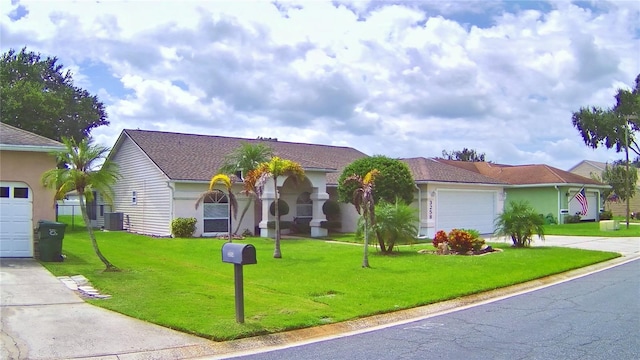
(183, 227)
(331, 225)
(283, 224)
(331, 209)
(441, 237)
(461, 241)
(606, 215)
(572, 219)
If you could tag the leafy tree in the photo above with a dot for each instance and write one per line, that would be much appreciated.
(227, 182)
(394, 179)
(463, 155)
(38, 96)
(245, 158)
(273, 169)
(396, 223)
(82, 174)
(520, 221)
(607, 127)
(363, 200)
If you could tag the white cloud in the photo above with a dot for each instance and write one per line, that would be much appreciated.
(405, 79)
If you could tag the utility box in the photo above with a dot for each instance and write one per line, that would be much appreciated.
(239, 254)
(113, 221)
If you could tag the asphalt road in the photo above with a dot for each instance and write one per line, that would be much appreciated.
(593, 317)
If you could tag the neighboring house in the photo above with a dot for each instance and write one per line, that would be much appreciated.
(451, 197)
(549, 190)
(24, 157)
(163, 174)
(96, 208)
(589, 168)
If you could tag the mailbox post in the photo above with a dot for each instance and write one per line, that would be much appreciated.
(239, 255)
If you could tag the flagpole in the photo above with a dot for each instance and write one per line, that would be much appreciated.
(574, 195)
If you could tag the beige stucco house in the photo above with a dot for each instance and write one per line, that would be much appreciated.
(589, 168)
(24, 157)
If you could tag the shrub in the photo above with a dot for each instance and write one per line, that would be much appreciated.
(331, 225)
(461, 241)
(441, 237)
(283, 224)
(550, 219)
(183, 227)
(606, 215)
(331, 209)
(283, 208)
(572, 219)
(520, 222)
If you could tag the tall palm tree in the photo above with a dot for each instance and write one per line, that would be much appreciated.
(245, 158)
(82, 172)
(365, 205)
(233, 203)
(274, 168)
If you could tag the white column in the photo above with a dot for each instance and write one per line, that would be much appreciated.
(318, 216)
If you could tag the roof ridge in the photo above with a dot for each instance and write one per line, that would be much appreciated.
(241, 138)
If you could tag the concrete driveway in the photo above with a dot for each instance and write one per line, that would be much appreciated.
(43, 319)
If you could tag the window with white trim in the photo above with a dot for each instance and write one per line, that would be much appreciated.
(216, 213)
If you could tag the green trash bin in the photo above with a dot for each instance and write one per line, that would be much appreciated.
(50, 235)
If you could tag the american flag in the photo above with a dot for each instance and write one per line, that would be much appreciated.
(582, 199)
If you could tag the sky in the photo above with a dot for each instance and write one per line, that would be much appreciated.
(395, 78)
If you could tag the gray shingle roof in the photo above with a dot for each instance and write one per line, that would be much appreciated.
(197, 157)
(424, 169)
(14, 137)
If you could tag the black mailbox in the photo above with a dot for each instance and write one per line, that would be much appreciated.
(240, 254)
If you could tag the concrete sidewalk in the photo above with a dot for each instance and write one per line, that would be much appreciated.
(43, 319)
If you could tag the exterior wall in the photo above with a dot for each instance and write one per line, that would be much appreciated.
(425, 200)
(152, 212)
(185, 196)
(28, 167)
(543, 199)
(617, 208)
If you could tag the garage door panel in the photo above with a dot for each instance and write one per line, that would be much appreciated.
(466, 210)
(16, 222)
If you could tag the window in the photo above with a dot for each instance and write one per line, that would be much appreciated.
(4, 192)
(304, 206)
(216, 213)
(134, 197)
(21, 193)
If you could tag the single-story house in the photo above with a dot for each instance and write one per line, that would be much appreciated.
(96, 208)
(590, 168)
(548, 189)
(24, 157)
(451, 197)
(163, 174)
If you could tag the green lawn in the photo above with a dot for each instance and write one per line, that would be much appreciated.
(592, 228)
(183, 284)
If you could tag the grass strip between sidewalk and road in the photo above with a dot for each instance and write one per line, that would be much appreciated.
(183, 284)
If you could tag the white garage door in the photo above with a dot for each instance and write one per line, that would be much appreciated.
(16, 225)
(466, 210)
(592, 210)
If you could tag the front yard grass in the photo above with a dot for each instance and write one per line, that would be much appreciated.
(592, 228)
(183, 284)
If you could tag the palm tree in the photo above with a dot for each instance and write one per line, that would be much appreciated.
(233, 203)
(274, 168)
(396, 223)
(82, 174)
(520, 221)
(365, 205)
(245, 158)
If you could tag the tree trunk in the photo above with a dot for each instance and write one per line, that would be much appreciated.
(276, 253)
(244, 212)
(383, 249)
(365, 259)
(92, 236)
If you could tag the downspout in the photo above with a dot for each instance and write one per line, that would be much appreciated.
(171, 185)
(419, 210)
(559, 204)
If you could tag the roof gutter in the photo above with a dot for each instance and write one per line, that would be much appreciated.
(31, 148)
(603, 186)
